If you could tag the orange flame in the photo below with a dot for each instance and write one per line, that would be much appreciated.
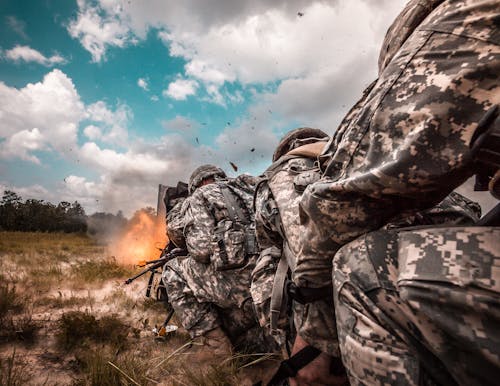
(142, 237)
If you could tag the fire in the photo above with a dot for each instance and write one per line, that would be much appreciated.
(142, 237)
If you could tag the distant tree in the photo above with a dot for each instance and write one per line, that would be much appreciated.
(39, 216)
(9, 207)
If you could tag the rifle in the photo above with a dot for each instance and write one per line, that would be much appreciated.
(168, 253)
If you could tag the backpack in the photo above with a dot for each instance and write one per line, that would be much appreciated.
(234, 236)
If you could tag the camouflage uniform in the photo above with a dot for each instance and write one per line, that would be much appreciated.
(203, 297)
(175, 224)
(277, 224)
(405, 148)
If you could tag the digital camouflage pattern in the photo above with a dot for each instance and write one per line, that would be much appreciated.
(402, 149)
(277, 222)
(410, 17)
(203, 297)
(175, 224)
(408, 144)
(420, 304)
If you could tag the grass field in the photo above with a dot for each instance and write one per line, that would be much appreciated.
(66, 318)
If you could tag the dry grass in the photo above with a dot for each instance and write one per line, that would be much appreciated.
(76, 328)
(10, 300)
(13, 371)
(63, 290)
(47, 243)
(100, 270)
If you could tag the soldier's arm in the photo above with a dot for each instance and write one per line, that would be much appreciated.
(409, 145)
(198, 229)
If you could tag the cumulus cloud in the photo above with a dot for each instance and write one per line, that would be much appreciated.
(254, 41)
(181, 89)
(98, 27)
(143, 83)
(114, 124)
(28, 54)
(41, 115)
(92, 132)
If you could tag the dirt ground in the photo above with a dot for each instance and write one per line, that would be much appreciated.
(67, 318)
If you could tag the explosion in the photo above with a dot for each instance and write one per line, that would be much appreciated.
(142, 239)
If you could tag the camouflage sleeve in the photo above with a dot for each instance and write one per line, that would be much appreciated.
(199, 228)
(408, 146)
(175, 225)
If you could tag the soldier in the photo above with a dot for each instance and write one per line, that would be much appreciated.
(411, 305)
(209, 290)
(277, 223)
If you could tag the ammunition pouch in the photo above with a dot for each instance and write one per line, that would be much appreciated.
(234, 237)
(230, 250)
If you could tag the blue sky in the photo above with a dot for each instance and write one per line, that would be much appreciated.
(100, 101)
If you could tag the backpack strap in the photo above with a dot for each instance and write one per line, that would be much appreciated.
(291, 366)
(233, 207)
(278, 292)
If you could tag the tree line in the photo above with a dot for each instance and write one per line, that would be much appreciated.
(34, 215)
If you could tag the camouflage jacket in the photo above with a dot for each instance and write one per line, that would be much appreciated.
(406, 146)
(205, 209)
(175, 224)
(277, 223)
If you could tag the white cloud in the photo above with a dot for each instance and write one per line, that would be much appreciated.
(21, 144)
(155, 98)
(181, 89)
(97, 28)
(92, 132)
(143, 83)
(252, 41)
(28, 54)
(42, 115)
(114, 130)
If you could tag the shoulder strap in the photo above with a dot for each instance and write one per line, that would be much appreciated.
(278, 292)
(291, 366)
(234, 209)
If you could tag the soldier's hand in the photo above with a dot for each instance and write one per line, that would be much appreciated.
(316, 373)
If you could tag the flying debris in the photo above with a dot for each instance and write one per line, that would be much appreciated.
(235, 168)
(229, 123)
(197, 140)
(300, 14)
(252, 149)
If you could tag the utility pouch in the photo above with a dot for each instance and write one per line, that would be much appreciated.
(229, 246)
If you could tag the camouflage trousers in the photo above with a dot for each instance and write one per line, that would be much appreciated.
(205, 299)
(420, 306)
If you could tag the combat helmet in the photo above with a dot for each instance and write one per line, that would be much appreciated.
(296, 138)
(202, 172)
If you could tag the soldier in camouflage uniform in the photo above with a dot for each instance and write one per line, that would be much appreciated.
(212, 300)
(411, 305)
(277, 223)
